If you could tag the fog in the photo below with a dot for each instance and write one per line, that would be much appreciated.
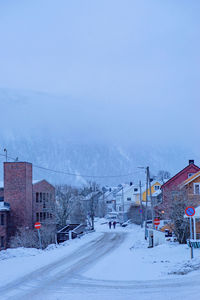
(101, 71)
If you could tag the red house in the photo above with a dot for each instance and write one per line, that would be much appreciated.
(173, 183)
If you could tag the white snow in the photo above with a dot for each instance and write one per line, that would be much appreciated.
(133, 260)
(15, 263)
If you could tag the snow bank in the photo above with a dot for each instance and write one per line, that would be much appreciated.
(15, 263)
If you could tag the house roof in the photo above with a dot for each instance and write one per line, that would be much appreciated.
(180, 173)
(190, 179)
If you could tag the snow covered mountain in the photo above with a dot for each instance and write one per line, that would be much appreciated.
(31, 131)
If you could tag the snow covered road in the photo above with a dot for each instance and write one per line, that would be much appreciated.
(104, 268)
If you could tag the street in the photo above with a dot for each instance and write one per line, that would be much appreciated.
(65, 278)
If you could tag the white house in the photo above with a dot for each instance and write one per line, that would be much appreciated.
(127, 196)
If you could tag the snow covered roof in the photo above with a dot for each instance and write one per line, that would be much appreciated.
(4, 206)
(156, 193)
(36, 181)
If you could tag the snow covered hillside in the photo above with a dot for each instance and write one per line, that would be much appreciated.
(75, 142)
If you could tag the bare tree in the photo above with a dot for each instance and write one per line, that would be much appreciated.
(65, 203)
(173, 207)
(163, 175)
(28, 238)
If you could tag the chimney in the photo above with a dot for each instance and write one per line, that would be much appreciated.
(191, 161)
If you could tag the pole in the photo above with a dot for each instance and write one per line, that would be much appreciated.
(39, 236)
(151, 199)
(141, 213)
(123, 201)
(194, 225)
(191, 237)
(147, 180)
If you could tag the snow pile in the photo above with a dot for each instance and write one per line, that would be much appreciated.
(18, 252)
(18, 262)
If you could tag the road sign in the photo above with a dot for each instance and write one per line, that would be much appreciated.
(190, 211)
(37, 225)
(156, 221)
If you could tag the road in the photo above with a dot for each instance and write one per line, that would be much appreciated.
(64, 279)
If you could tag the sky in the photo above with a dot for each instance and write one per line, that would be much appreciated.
(114, 70)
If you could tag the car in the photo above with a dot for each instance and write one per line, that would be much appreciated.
(126, 223)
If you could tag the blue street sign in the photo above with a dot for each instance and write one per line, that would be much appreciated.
(190, 211)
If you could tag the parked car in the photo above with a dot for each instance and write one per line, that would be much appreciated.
(126, 223)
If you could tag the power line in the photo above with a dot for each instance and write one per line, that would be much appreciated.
(74, 174)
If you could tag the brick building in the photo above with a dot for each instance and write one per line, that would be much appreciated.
(23, 201)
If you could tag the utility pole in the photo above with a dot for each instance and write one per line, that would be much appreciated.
(141, 212)
(147, 182)
(123, 201)
(152, 204)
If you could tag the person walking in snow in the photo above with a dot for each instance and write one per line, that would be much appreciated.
(114, 224)
(110, 223)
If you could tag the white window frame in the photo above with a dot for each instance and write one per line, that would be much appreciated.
(195, 184)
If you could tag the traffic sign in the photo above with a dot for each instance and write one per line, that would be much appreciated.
(190, 211)
(37, 225)
(156, 221)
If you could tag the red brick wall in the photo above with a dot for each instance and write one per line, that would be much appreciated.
(18, 193)
(45, 206)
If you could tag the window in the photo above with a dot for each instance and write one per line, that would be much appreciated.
(44, 215)
(47, 215)
(41, 216)
(47, 197)
(128, 199)
(43, 196)
(120, 209)
(2, 241)
(196, 188)
(44, 205)
(37, 217)
(156, 187)
(135, 189)
(40, 197)
(2, 219)
(190, 174)
(50, 196)
(37, 197)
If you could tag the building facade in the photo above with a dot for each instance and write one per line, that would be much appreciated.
(23, 201)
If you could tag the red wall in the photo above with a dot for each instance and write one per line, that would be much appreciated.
(47, 204)
(18, 193)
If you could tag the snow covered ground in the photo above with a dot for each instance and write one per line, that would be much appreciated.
(133, 260)
(15, 263)
(107, 264)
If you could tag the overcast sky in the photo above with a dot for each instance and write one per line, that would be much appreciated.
(127, 67)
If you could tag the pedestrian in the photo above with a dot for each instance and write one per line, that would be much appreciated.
(110, 223)
(114, 224)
